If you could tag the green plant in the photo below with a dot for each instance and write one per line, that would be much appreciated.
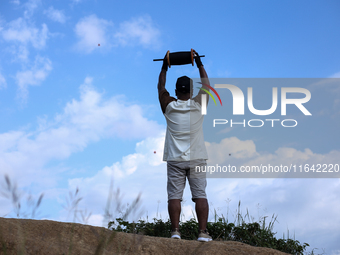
(258, 234)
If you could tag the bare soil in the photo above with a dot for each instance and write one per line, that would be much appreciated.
(23, 236)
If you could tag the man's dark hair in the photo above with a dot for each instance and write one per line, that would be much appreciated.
(184, 85)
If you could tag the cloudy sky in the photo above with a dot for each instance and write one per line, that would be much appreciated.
(79, 107)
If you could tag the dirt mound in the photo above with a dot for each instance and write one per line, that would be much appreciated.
(21, 236)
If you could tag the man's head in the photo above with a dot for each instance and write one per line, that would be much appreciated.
(184, 88)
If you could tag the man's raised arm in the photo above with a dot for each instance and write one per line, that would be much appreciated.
(161, 80)
(204, 80)
(162, 76)
(163, 95)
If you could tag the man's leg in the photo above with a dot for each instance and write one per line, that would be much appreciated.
(198, 183)
(175, 186)
(174, 208)
(202, 211)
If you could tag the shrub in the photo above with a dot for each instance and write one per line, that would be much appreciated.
(220, 230)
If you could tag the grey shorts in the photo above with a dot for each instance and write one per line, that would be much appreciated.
(178, 171)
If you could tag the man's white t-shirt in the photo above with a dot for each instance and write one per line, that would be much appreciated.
(184, 138)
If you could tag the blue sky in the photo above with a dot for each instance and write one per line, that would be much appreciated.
(76, 114)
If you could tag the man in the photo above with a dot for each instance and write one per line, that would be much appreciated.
(184, 147)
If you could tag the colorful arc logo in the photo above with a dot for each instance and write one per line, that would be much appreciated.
(218, 96)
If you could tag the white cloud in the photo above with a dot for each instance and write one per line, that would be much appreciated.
(234, 152)
(21, 52)
(3, 83)
(134, 173)
(139, 30)
(32, 77)
(96, 220)
(31, 6)
(82, 122)
(187, 212)
(238, 149)
(149, 153)
(55, 15)
(25, 154)
(315, 198)
(114, 115)
(17, 2)
(244, 153)
(331, 83)
(23, 34)
(91, 31)
(327, 90)
(9, 139)
(20, 31)
(336, 75)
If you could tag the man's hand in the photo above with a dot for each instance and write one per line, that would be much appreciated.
(197, 59)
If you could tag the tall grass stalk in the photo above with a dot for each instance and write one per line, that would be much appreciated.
(114, 207)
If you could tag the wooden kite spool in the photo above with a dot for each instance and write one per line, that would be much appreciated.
(179, 58)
